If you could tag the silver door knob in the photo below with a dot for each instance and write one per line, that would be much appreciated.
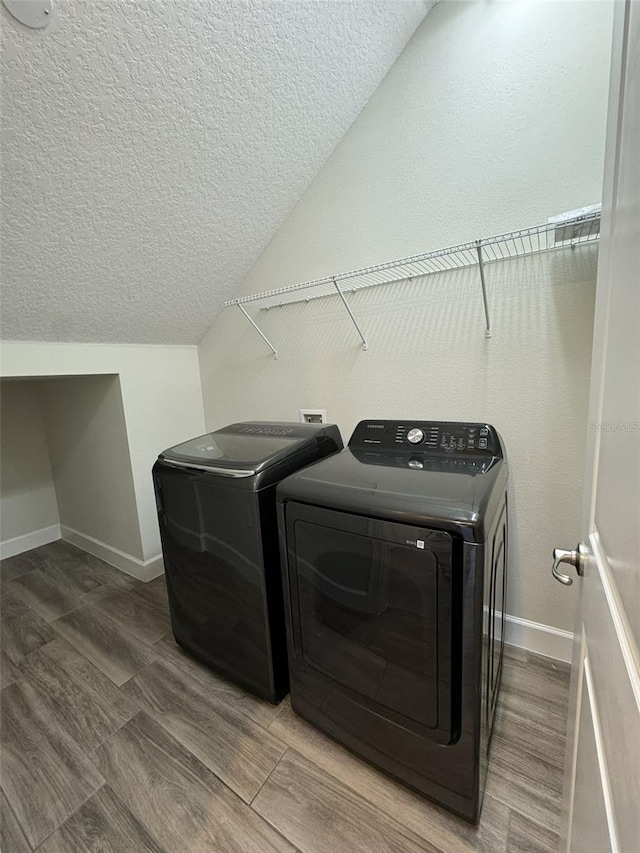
(575, 558)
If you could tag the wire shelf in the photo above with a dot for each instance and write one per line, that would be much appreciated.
(560, 234)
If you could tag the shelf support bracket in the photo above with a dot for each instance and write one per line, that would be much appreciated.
(365, 345)
(487, 331)
(259, 331)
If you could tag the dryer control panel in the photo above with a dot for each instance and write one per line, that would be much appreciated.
(451, 438)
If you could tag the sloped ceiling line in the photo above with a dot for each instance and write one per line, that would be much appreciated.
(151, 149)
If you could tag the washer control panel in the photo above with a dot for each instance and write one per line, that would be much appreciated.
(428, 437)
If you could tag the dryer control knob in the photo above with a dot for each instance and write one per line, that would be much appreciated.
(415, 436)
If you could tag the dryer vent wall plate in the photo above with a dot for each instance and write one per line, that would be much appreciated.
(313, 416)
(32, 13)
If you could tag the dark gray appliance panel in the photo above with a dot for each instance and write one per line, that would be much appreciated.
(399, 484)
(216, 575)
(216, 505)
(372, 611)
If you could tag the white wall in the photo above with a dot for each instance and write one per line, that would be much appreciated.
(27, 494)
(161, 398)
(90, 458)
(492, 119)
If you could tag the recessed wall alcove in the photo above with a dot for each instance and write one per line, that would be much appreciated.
(66, 466)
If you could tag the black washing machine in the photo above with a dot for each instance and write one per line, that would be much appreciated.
(394, 568)
(216, 508)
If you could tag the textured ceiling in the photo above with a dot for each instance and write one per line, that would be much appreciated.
(151, 149)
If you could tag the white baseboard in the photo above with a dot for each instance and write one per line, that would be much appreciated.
(538, 638)
(20, 544)
(143, 570)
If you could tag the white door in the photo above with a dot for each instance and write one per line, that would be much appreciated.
(602, 790)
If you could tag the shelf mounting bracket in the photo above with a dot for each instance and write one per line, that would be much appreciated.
(259, 331)
(365, 345)
(487, 331)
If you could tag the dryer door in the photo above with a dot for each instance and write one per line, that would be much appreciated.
(372, 609)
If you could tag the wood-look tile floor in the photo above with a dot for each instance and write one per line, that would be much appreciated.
(114, 740)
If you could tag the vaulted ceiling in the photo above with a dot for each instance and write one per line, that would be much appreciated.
(151, 149)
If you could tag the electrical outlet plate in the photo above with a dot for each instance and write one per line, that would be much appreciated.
(313, 416)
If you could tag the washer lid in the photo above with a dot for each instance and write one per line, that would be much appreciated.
(244, 449)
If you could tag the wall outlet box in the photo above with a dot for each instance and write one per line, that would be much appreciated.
(313, 416)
